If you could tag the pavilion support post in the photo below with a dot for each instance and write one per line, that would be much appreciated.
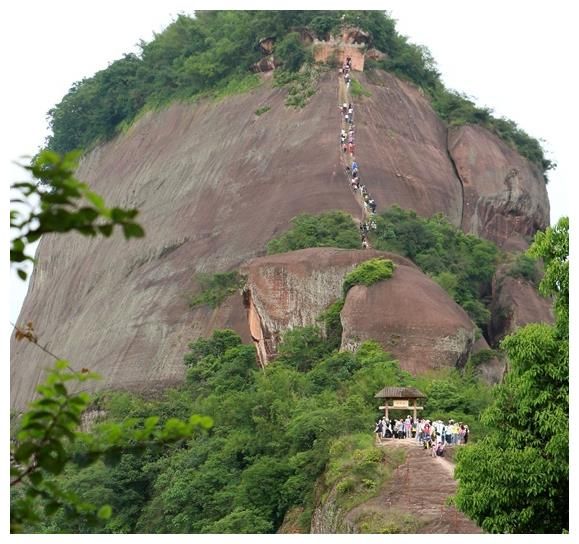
(385, 408)
(414, 410)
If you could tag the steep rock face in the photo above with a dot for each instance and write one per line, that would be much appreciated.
(515, 303)
(491, 370)
(412, 317)
(401, 146)
(505, 198)
(214, 183)
(292, 289)
(328, 518)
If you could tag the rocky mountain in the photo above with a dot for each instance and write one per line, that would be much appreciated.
(215, 182)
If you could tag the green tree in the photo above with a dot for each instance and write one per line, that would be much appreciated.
(291, 52)
(516, 480)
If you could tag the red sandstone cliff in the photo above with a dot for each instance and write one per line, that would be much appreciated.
(515, 303)
(214, 182)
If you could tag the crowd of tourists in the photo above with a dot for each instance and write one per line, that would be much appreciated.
(432, 435)
(348, 145)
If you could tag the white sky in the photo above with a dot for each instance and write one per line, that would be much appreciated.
(518, 58)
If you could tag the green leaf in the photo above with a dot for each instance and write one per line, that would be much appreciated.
(61, 364)
(51, 508)
(106, 230)
(24, 451)
(33, 425)
(36, 477)
(48, 403)
(96, 200)
(133, 230)
(105, 512)
(60, 389)
(50, 461)
(40, 414)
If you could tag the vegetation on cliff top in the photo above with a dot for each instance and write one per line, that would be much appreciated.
(368, 273)
(211, 54)
(330, 229)
(461, 263)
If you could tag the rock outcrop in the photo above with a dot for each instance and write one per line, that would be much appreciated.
(214, 183)
(412, 317)
(515, 303)
(491, 369)
(352, 42)
(505, 198)
(292, 289)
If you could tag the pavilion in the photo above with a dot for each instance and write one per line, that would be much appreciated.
(400, 398)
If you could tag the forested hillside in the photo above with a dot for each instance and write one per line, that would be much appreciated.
(275, 432)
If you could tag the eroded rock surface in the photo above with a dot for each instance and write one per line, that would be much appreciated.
(412, 317)
(292, 290)
(491, 370)
(401, 146)
(214, 183)
(505, 198)
(515, 303)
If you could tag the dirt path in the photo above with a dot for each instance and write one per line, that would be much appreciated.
(415, 499)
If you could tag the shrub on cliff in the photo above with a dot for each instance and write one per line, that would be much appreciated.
(215, 288)
(291, 52)
(461, 263)
(525, 267)
(368, 273)
(330, 229)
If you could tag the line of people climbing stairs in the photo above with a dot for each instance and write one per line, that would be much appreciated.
(348, 158)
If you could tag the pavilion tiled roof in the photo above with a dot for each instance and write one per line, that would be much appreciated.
(399, 393)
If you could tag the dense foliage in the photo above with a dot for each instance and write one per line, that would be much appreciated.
(212, 52)
(455, 395)
(461, 263)
(516, 480)
(270, 442)
(276, 431)
(192, 57)
(215, 288)
(525, 267)
(330, 229)
(368, 273)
